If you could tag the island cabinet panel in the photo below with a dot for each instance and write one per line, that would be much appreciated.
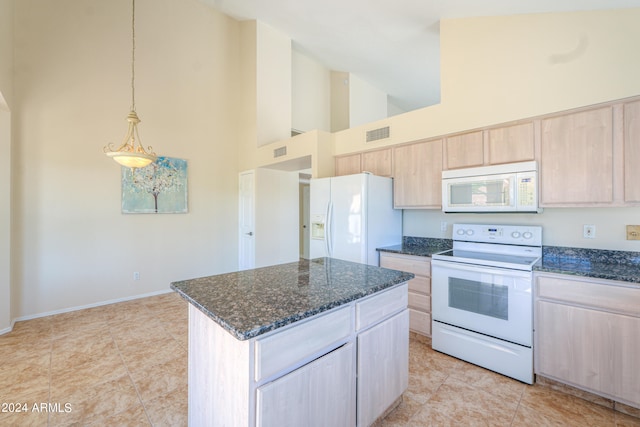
(321, 393)
(587, 334)
(212, 385)
(371, 310)
(302, 341)
(632, 152)
(417, 170)
(576, 164)
(383, 367)
(419, 295)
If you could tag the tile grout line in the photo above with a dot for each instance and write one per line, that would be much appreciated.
(126, 367)
(518, 406)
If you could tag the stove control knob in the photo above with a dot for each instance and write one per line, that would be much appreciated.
(515, 234)
(460, 231)
(469, 232)
(527, 235)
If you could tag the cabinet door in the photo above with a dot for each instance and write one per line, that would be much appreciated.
(632, 152)
(511, 144)
(383, 367)
(626, 359)
(465, 150)
(417, 175)
(576, 165)
(575, 345)
(348, 165)
(377, 162)
(321, 393)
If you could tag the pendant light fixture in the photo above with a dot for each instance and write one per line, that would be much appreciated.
(131, 153)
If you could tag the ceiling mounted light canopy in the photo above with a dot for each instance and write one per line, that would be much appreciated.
(131, 153)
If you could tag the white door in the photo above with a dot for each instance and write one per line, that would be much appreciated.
(246, 209)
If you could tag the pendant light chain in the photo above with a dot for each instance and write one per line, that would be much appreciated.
(131, 153)
(133, 56)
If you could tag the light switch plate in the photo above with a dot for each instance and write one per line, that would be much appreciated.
(633, 232)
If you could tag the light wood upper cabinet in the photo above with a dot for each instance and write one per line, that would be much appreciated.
(576, 164)
(378, 162)
(418, 175)
(511, 144)
(632, 152)
(464, 150)
(347, 165)
(508, 144)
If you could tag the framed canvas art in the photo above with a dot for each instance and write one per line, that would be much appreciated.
(160, 187)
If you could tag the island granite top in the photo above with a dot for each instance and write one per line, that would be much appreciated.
(252, 302)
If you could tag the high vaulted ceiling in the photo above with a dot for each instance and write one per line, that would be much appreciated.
(394, 45)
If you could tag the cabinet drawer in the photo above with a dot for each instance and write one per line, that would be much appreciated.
(413, 264)
(602, 295)
(420, 285)
(420, 322)
(372, 310)
(302, 342)
(420, 302)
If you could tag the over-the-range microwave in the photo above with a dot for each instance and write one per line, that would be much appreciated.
(509, 187)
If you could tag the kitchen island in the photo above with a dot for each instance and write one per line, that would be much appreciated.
(315, 342)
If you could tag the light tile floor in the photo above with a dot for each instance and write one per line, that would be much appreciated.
(125, 364)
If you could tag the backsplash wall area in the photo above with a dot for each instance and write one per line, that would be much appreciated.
(561, 226)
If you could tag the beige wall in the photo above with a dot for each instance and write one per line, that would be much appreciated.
(499, 69)
(311, 94)
(6, 92)
(366, 103)
(72, 91)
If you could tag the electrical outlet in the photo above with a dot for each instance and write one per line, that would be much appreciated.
(443, 226)
(589, 231)
(633, 232)
(136, 275)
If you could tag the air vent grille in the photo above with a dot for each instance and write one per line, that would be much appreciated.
(376, 134)
(279, 152)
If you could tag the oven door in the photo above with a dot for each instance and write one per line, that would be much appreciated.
(492, 301)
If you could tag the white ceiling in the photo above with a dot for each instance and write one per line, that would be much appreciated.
(394, 45)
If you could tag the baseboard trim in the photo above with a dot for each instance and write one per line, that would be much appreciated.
(81, 307)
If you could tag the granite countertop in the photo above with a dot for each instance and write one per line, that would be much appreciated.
(252, 302)
(597, 263)
(419, 246)
(600, 264)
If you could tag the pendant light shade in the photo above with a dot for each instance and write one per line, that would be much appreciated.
(131, 153)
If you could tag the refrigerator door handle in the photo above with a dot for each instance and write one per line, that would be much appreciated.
(329, 231)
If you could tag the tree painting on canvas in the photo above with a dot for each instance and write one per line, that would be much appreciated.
(160, 187)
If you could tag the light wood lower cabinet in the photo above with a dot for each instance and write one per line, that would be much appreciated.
(320, 394)
(419, 287)
(587, 334)
(383, 367)
(339, 368)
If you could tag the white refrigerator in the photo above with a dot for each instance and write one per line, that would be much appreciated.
(351, 216)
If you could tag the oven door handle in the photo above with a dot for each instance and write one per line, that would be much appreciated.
(456, 266)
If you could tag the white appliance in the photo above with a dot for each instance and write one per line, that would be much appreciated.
(351, 216)
(500, 188)
(482, 303)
